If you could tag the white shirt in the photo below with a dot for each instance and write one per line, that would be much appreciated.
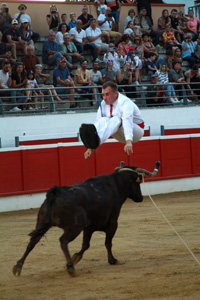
(107, 25)
(4, 79)
(59, 38)
(126, 110)
(116, 60)
(78, 35)
(93, 33)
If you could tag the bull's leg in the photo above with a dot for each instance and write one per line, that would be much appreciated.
(87, 234)
(110, 232)
(64, 246)
(36, 236)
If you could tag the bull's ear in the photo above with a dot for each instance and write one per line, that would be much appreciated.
(139, 180)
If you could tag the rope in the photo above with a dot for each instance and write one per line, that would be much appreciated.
(172, 227)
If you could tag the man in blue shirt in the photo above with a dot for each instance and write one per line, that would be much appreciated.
(50, 51)
(62, 78)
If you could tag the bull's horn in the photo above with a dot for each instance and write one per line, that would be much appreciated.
(147, 172)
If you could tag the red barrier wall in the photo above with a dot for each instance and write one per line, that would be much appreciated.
(36, 169)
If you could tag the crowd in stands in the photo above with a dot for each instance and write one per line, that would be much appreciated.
(123, 57)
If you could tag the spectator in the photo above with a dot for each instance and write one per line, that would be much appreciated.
(72, 22)
(11, 36)
(165, 60)
(155, 93)
(79, 39)
(94, 37)
(4, 54)
(53, 18)
(85, 17)
(115, 7)
(192, 24)
(21, 16)
(197, 49)
(64, 20)
(113, 54)
(6, 83)
(101, 7)
(181, 21)
(177, 55)
(5, 18)
(136, 27)
(62, 78)
(193, 80)
(176, 76)
(163, 21)
(33, 83)
(107, 73)
(134, 65)
(175, 25)
(19, 81)
(108, 25)
(148, 45)
(150, 64)
(130, 17)
(69, 50)
(169, 40)
(83, 78)
(95, 74)
(144, 4)
(125, 77)
(124, 46)
(147, 25)
(62, 29)
(42, 79)
(129, 31)
(50, 51)
(164, 79)
(139, 51)
(188, 49)
(25, 33)
(30, 59)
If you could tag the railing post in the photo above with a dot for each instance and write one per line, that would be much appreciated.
(52, 103)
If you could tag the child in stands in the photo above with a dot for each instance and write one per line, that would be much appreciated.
(72, 22)
(33, 83)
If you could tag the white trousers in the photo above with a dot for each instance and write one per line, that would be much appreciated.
(107, 127)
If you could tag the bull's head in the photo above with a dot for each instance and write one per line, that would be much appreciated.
(137, 178)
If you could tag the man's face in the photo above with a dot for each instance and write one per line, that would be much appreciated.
(177, 67)
(30, 51)
(109, 96)
(154, 80)
(96, 66)
(14, 26)
(93, 24)
(62, 64)
(3, 8)
(143, 12)
(174, 14)
(52, 36)
(108, 11)
(78, 23)
(6, 68)
(84, 10)
(84, 65)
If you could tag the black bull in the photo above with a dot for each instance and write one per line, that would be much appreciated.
(93, 205)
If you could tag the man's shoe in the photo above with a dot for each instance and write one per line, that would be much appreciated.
(89, 136)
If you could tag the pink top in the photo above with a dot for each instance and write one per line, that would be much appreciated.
(193, 24)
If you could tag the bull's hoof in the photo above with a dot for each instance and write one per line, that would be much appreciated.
(17, 269)
(76, 258)
(71, 271)
(113, 261)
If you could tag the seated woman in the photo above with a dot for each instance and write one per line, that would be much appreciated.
(177, 55)
(25, 34)
(41, 79)
(62, 29)
(169, 88)
(192, 24)
(163, 21)
(188, 49)
(124, 46)
(148, 46)
(69, 50)
(20, 81)
(139, 51)
(129, 30)
(125, 77)
(53, 18)
(130, 17)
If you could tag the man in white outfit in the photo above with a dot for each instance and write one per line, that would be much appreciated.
(117, 116)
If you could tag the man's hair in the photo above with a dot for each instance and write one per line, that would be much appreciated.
(92, 19)
(174, 10)
(111, 84)
(175, 61)
(6, 63)
(151, 54)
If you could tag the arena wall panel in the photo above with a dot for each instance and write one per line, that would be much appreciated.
(35, 169)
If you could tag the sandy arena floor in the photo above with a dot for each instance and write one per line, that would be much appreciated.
(153, 262)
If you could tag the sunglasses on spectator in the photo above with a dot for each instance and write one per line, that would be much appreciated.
(110, 60)
(84, 76)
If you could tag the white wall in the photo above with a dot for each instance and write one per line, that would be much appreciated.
(65, 123)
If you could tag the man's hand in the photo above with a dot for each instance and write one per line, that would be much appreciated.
(128, 148)
(87, 153)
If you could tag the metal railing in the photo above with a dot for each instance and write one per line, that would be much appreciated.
(89, 101)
